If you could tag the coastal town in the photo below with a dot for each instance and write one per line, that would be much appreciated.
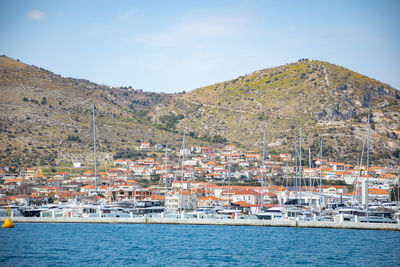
(207, 177)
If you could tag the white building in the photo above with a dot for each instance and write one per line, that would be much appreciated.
(173, 200)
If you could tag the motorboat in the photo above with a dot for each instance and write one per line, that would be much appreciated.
(270, 214)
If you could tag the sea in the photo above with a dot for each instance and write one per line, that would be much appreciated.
(47, 244)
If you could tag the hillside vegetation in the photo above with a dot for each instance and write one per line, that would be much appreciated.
(325, 100)
(46, 119)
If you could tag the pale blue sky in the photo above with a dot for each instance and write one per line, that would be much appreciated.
(170, 46)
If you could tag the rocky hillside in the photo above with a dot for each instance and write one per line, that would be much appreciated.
(325, 100)
(46, 119)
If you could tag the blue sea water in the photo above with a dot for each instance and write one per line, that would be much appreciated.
(35, 244)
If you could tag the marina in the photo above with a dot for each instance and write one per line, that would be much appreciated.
(200, 133)
(194, 245)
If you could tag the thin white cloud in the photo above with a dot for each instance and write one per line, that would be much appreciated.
(36, 14)
(196, 30)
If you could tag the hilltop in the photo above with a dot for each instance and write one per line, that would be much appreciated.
(46, 119)
(325, 100)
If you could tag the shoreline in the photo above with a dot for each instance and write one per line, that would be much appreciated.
(230, 222)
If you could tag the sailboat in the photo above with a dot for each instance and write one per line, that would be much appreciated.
(94, 149)
(272, 213)
(364, 214)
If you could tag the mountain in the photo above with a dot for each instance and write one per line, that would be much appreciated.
(325, 100)
(46, 119)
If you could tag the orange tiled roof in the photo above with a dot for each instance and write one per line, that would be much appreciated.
(377, 191)
(243, 204)
(209, 198)
(157, 197)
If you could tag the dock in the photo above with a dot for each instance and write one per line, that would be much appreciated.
(195, 221)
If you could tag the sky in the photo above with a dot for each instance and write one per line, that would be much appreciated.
(174, 46)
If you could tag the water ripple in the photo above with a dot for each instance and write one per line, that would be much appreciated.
(194, 245)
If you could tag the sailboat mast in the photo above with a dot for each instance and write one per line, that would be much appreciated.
(165, 172)
(183, 170)
(309, 167)
(229, 178)
(94, 148)
(300, 165)
(295, 158)
(263, 172)
(320, 174)
(368, 140)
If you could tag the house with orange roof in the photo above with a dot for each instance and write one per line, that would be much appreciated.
(229, 147)
(214, 176)
(156, 197)
(205, 150)
(252, 157)
(130, 191)
(342, 174)
(62, 176)
(87, 188)
(132, 182)
(388, 176)
(247, 195)
(210, 165)
(378, 193)
(30, 173)
(334, 189)
(285, 156)
(48, 189)
(53, 182)
(219, 168)
(319, 161)
(144, 146)
(377, 170)
(123, 162)
(314, 172)
(337, 166)
(138, 170)
(209, 201)
(66, 195)
(234, 157)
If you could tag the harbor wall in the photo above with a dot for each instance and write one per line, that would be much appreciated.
(195, 221)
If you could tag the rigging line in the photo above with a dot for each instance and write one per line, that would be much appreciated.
(300, 165)
(262, 174)
(283, 177)
(355, 192)
(295, 168)
(286, 175)
(183, 169)
(166, 172)
(105, 169)
(368, 145)
(309, 173)
(320, 175)
(229, 179)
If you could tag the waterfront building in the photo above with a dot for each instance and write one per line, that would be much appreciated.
(174, 200)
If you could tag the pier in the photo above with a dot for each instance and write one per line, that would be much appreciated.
(195, 221)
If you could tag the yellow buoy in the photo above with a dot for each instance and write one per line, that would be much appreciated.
(8, 223)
